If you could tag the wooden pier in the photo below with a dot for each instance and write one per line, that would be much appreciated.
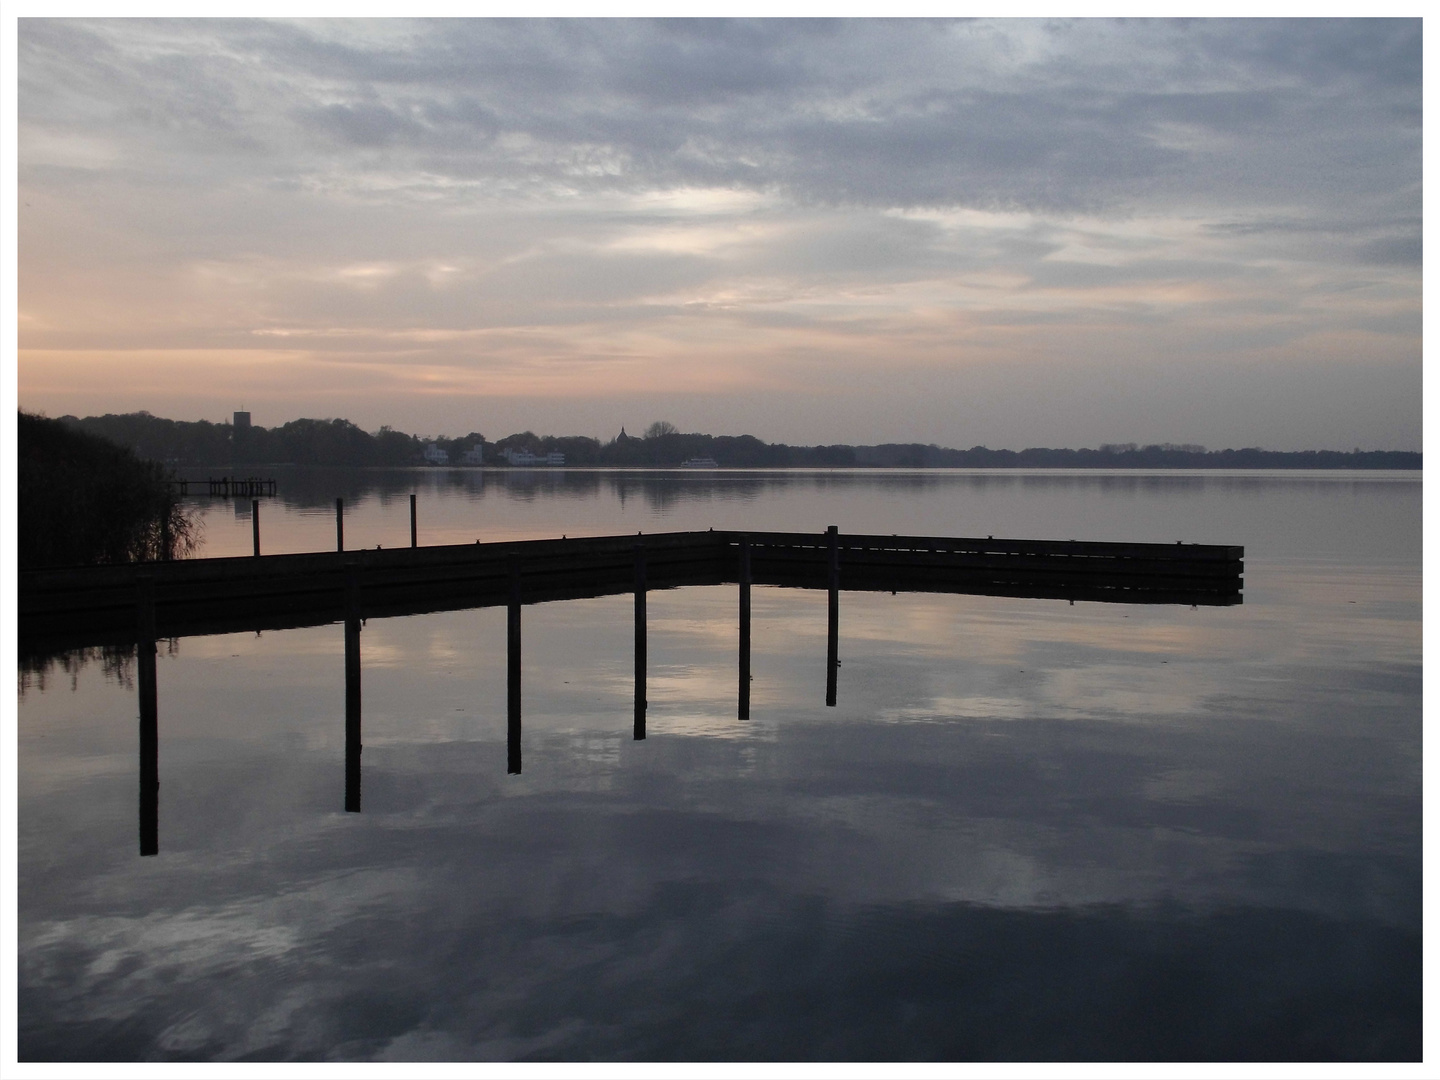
(72, 607)
(138, 603)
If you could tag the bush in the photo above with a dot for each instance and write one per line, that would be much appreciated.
(84, 500)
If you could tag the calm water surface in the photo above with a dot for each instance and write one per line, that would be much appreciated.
(1029, 830)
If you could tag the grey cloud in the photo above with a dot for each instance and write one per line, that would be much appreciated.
(1067, 274)
(1270, 225)
(1394, 251)
(871, 247)
(875, 113)
(200, 180)
(1356, 52)
(364, 124)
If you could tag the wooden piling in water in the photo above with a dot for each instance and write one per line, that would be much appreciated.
(149, 719)
(353, 744)
(339, 524)
(512, 680)
(833, 642)
(640, 645)
(744, 576)
(255, 524)
(413, 534)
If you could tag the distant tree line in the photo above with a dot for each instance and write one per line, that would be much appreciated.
(300, 442)
(341, 443)
(1130, 456)
(82, 499)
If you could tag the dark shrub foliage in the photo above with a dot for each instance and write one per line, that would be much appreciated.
(85, 500)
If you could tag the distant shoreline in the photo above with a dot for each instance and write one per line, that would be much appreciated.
(339, 443)
(863, 470)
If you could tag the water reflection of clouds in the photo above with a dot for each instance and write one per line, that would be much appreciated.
(924, 822)
(1183, 785)
(266, 647)
(938, 709)
(1128, 820)
(1156, 982)
(1129, 699)
(707, 725)
(594, 749)
(255, 945)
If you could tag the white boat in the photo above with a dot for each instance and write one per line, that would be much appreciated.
(700, 463)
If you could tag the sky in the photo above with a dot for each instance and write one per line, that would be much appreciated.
(1002, 233)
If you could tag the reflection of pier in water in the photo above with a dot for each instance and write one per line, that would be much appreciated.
(94, 605)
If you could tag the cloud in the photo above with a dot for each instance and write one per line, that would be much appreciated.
(573, 179)
(878, 113)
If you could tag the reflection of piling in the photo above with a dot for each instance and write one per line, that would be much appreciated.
(149, 721)
(413, 542)
(640, 657)
(353, 744)
(833, 649)
(255, 524)
(339, 524)
(512, 681)
(744, 575)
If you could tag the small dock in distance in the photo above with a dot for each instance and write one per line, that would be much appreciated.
(72, 607)
(237, 487)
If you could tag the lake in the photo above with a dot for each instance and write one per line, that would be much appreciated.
(1029, 830)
